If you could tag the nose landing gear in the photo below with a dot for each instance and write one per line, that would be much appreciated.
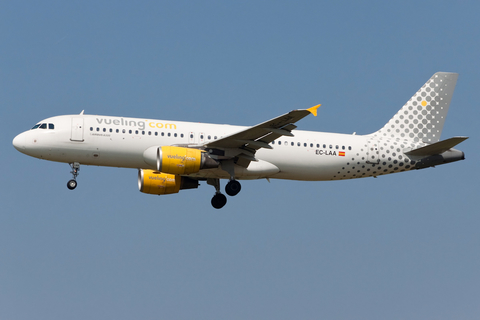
(72, 184)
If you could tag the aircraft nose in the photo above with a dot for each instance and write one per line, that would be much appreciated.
(19, 142)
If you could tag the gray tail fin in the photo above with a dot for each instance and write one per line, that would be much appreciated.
(422, 118)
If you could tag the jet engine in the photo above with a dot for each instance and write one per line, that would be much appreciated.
(154, 182)
(178, 160)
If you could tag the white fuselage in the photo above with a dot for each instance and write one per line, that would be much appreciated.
(121, 142)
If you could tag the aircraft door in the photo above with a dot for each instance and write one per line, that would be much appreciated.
(373, 151)
(77, 129)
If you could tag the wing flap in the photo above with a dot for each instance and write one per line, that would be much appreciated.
(280, 132)
(256, 143)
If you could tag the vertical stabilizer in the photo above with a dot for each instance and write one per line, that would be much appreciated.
(422, 117)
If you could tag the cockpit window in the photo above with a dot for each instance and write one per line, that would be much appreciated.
(50, 126)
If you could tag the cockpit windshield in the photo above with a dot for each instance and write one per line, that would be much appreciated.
(50, 126)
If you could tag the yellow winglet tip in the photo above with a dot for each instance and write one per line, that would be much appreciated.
(313, 110)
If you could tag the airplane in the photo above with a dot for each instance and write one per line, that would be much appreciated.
(175, 155)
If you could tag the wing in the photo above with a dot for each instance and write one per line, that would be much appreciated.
(262, 134)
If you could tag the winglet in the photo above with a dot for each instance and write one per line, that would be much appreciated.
(313, 110)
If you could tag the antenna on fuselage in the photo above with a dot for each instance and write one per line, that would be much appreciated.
(81, 113)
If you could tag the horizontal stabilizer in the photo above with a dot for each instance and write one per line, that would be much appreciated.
(436, 148)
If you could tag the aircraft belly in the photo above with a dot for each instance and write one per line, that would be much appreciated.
(256, 170)
(304, 165)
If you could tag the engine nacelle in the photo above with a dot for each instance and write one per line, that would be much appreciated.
(178, 160)
(154, 182)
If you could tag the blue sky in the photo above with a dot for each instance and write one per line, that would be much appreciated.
(401, 246)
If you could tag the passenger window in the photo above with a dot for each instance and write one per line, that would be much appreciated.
(292, 144)
(143, 132)
(136, 131)
(191, 136)
(98, 129)
(318, 145)
(336, 147)
(331, 146)
(91, 128)
(156, 133)
(304, 144)
(149, 133)
(111, 130)
(118, 131)
(104, 129)
(175, 135)
(43, 126)
(298, 144)
(51, 126)
(163, 134)
(349, 148)
(181, 135)
(324, 146)
(130, 131)
(169, 134)
(123, 130)
(311, 145)
(343, 147)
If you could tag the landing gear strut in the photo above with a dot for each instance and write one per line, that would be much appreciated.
(72, 184)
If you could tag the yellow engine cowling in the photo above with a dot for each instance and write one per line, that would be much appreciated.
(178, 160)
(155, 182)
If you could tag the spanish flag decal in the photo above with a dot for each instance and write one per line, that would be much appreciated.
(341, 153)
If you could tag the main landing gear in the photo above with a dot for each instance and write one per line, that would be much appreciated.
(72, 184)
(232, 188)
(219, 200)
